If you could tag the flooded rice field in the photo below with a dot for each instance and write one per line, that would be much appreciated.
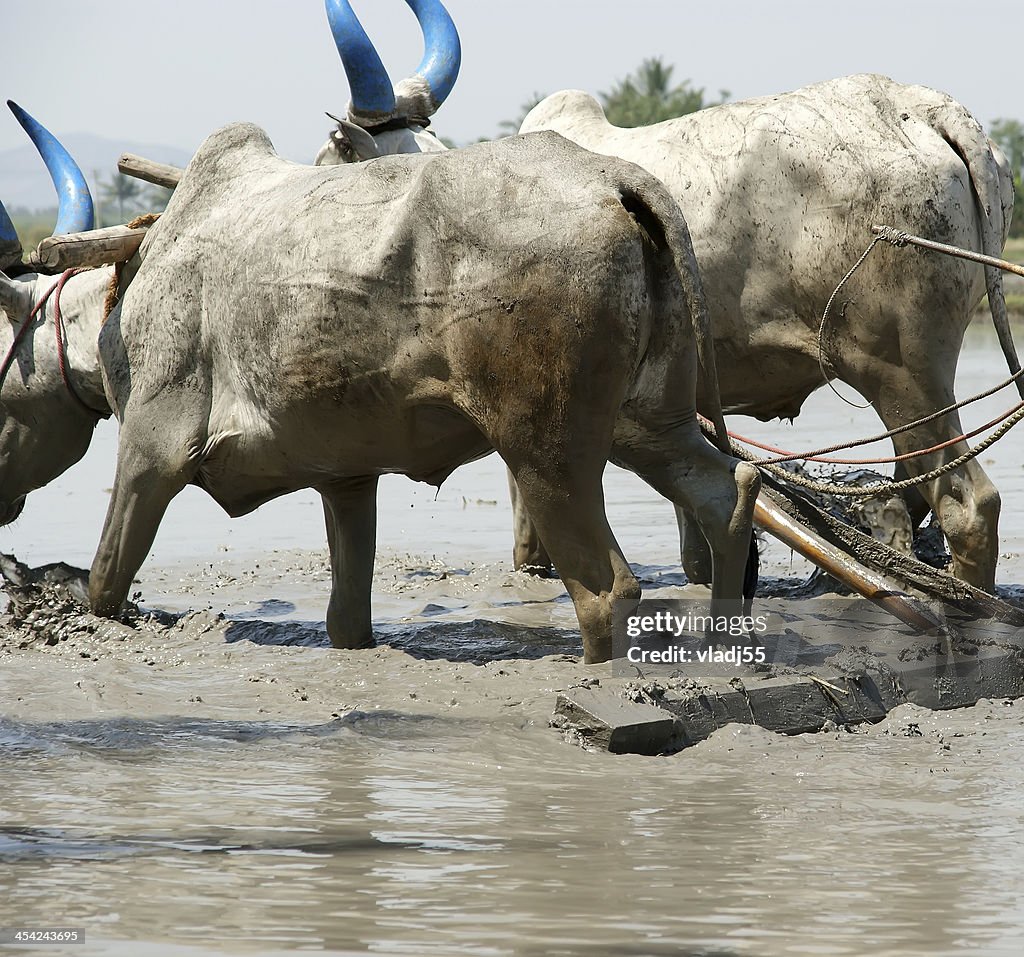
(216, 780)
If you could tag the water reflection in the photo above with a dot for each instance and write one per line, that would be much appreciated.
(396, 834)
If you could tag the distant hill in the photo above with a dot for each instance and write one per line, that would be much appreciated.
(24, 182)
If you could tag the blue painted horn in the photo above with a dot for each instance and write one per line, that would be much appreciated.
(8, 234)
(74, 212)
(442, 52)
(372, 95)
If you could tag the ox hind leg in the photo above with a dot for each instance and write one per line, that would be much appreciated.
(146, 480)
(565, 499)
(350, 513)
(528, 551)
(965, 501)
(694, 552)
(530, 556)
(715, 494)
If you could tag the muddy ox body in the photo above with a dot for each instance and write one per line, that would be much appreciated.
(780, 194)
(294, 327)
(45, 428)
(47, 415)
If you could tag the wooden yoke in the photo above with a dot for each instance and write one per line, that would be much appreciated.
(96, 247)
(160, 174)
(114, 244)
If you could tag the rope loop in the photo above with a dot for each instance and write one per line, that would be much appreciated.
(896, 237)
(824, 318)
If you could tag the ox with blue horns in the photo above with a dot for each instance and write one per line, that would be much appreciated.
(382, 119)
(51, 388)
(293, 327)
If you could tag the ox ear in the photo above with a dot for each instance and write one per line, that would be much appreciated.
(353, 142)
(15, 298)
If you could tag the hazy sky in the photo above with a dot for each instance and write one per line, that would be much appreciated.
(172, 73)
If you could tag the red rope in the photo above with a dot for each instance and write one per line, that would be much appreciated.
(58, 325)
(21, 332)
(784, 456)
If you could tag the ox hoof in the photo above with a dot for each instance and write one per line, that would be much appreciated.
(353, 644)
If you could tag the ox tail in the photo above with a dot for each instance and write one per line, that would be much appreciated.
(992, 185)
(660, 218)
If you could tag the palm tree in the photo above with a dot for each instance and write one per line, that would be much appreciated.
(648, 96)
(124, 191)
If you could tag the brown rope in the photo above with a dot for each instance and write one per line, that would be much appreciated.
(110, 300)
(140, 222)
(146, 219)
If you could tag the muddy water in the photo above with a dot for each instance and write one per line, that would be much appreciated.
(231, 785)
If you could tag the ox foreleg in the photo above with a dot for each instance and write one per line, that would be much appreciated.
(145, 482)
(528, 551)
(350, 513)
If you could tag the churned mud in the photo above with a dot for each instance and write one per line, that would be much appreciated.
(207, 776)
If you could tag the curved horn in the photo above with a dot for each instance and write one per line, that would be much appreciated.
(372, 95)
(10, 246)
(442, 52)
(75, 212)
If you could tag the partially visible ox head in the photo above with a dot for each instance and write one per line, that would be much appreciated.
(42, 433)
(381, 119)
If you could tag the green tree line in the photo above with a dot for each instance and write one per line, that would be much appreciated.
(645, 96)
(1009, 135)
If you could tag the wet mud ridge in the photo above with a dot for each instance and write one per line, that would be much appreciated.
(470, 656)
(841, 687)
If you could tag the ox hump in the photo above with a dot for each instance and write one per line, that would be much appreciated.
(562, 110)
(226, 150)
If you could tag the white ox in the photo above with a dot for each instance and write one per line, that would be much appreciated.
(780, 194)
(48, 417)
(293, 327)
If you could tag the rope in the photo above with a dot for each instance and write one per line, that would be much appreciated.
(61, 333)
(892, 458)
(21, 333)
(896, 237)
(879, 488)
(824, 319)
(812, 456)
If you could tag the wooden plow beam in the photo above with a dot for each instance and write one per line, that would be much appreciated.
(885, 576)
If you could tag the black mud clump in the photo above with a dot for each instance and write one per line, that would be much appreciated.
(49, 605)
(930, 546)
